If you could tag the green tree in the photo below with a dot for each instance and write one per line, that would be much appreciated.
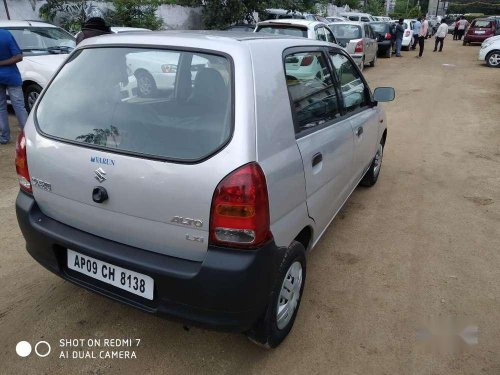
(353, 4)
(375, 7)
(135, 13)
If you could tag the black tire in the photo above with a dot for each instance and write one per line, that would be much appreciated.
(31, 94)
(388, 53)
(464, 43)
(371, 176)
(146, 85)
(490, 63)
(374, 61)
(265, 331)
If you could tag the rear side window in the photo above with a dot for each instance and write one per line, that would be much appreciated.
(354, 18)
(311, 89)
(283, 30)
(354, 91)
(343, 31)
(163, 103)
(380, 27)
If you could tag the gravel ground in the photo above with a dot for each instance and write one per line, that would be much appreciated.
(421, 246)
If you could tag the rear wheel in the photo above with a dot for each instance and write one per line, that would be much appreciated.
(374, 61)
(493, 59)
(464, 43)
(31, 94)
(146, 85)
(372, 174)
(388, 53)
(277, 322)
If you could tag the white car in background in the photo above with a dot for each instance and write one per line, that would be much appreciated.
(408, 33)
(45, 47)
(300, 65)
(298, 28)
(490, 52)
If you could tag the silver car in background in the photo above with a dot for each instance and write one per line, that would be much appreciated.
(359, 40)
(199, 203)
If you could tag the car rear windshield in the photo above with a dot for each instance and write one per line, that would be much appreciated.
(482, 24)
(162, 103)
(342, 31)
(380, 27)
(283, 30)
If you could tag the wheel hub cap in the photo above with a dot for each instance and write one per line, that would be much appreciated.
(495, 59)
(289, 295)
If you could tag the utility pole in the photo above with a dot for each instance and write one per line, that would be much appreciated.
(437, 9)
(6, 9)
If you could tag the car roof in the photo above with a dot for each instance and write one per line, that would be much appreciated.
(357, 23)
(21, 23)
(119, 29)
(204, 39)
(291, 21)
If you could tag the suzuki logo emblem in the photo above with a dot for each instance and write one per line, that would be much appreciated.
(100, 175)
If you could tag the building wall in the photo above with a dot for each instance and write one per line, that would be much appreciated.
(174, 16)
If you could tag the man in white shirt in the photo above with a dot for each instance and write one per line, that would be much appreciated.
(441, 33)
(462, 25)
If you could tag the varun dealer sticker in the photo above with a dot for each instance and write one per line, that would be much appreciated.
(122, 278)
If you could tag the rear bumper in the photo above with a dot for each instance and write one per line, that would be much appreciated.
(227, 291)
(384, 46)
(472, 38)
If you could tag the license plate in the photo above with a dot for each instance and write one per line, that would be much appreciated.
(480, 32)
(122, 278)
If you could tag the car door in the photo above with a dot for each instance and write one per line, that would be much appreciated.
(324, 138)
(368, 42)
(358, 108)
(374, 41)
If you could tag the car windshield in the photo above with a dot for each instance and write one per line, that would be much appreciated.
(343, 31)
(482, 24)
(379, 27)
(43, 40)
(161, 103)
(283, 30)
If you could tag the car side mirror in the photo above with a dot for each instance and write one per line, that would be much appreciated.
(384, 94)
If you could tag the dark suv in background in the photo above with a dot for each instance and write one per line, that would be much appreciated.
(383, 32)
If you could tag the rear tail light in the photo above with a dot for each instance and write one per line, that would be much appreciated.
(407, 33)
(23, 174)
(359, 47)
(240, 209)
(169, 68)
(388, 36)
(307, 60)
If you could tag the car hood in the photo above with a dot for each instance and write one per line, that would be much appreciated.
(48, 61)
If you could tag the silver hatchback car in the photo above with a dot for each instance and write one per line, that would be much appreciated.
(199, 202)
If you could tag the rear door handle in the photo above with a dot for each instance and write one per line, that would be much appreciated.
(359, 131)
(318, 158)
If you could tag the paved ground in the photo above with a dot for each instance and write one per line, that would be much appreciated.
(423, 243)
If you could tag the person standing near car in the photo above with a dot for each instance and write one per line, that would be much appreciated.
(94, 26)
(399, 32)
(462, 25)
(424, 28)
(455, 29)
(441, 33)
(11, 82)
(416, 31)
